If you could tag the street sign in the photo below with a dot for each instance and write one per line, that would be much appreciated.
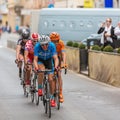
(108, 3)
(88, 3)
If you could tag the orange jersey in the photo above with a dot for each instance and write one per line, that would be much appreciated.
(60, 47)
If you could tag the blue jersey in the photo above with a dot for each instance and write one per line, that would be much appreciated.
(45, 54)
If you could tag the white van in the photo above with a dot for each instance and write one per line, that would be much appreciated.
(72, 24)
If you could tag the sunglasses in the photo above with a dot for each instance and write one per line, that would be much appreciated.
(108, 21)
(44, 44)
(34, 41)
(55, 41)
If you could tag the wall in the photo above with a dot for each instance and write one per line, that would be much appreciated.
(104, 67)
(73, 59)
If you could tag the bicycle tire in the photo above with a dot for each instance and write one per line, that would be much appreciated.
(57, 98)
(57, 91)
(32, 97)
(47, 104)
(25, 91)
(36, 90)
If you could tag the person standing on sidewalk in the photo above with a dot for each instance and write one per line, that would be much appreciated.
(107, 30)
(1, 28)
(117, 30)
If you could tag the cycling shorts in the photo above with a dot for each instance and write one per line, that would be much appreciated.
(48, 64)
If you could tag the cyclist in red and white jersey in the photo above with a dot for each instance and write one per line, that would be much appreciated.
(29, 55)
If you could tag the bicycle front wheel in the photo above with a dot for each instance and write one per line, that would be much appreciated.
(47, 103)
(36, 90)
(57, 93)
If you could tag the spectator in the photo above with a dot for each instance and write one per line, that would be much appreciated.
(117, 30)
(7, 28)
(28, 27)
(17, 28)
(1, 27)
(107, 30)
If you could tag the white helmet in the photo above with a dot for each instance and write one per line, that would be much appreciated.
(44, 39)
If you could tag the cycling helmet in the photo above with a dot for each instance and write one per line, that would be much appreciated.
(54, 36)
(25, 34)
(35, 36)
(44, 39)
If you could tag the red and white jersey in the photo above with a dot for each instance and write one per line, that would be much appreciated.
(29, 46)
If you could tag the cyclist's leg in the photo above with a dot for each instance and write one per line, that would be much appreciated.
(28, 74)
(40, 78)
(50, 65)
(60, 80)
(61, 86)
(20, 64)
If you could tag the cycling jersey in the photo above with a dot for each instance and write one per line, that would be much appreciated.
(22, 44)
(60, 47)
(30, 48)
(45, 54)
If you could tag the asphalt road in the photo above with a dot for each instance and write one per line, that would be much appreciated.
(85, 99)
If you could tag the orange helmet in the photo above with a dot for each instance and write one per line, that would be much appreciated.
(54, 36)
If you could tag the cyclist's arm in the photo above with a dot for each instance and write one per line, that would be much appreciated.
(18, 48)
(56, 62)
(63, 53)
(26, 56)
(35, 62)
(64, 57)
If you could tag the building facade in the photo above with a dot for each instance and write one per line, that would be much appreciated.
(18, 12)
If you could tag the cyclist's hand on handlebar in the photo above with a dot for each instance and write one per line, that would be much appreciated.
(64, 66)
(56, 68)
(16, 61)
(35, 69)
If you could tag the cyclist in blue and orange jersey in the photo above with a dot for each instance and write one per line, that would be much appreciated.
(60, 47)
(44, 55)
(21, 47)
(29, 55)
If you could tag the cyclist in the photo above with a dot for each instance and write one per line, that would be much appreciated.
(29, 55)
(20, 49)
(60, 47)
(44, 54)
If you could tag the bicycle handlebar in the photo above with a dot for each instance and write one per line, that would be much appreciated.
(65, 68)
(43, 71)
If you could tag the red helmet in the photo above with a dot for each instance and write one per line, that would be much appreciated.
(35, 36)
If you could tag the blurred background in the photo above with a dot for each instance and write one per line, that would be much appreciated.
(17, 12)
